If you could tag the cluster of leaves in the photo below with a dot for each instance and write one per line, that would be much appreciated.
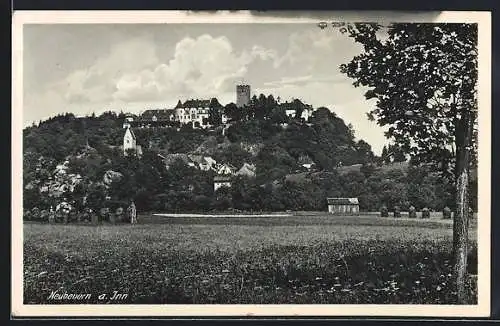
(423, 77)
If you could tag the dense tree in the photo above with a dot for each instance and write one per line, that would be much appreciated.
(215, 112)
(385, 156)
(233, 112)
(424, 77)
(396, 153)
(365, 152)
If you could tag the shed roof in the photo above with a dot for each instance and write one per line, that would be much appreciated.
(342, 201)
(222, 178)
(162, 114)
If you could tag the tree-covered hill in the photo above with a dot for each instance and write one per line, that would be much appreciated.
(327, 140)
(298, 165)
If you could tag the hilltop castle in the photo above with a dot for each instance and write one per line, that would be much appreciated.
(193, 112)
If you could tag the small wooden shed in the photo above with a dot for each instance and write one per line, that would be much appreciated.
(343, 206)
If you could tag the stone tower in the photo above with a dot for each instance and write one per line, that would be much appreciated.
(242, 95)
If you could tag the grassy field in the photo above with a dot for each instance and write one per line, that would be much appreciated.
(299, 259)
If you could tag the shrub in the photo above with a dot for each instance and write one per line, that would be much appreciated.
(44, 215)
(35, 213)
(104, 213)
(384, 212)
(27, 214)
(397, 211)
(94, 217)
(412, 212)
(447, 213)
(426, 213)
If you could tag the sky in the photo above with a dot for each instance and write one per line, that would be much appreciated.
(85, 68)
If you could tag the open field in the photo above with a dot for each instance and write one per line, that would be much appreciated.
(298, 259)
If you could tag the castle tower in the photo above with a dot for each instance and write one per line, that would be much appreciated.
(242, 95)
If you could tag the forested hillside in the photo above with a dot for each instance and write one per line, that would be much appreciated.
(80, 160)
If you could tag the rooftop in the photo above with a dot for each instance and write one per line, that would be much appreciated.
(222, 178)
(342, 201)
(196, 103)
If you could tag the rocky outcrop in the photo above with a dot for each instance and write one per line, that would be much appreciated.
(252, 148)
(61, 182)
(111, 176)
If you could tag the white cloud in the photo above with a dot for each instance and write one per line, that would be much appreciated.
(304, 80)
(132, 72)
(316, 50)
(98, 82)
(205, 66)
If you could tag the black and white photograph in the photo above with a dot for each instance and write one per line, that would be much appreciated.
(248, 163)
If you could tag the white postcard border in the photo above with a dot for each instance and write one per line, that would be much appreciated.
(482, 309)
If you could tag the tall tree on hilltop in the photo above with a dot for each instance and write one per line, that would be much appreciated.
(385, 155)
(215, 112)
(233, 112)
(260, 107)
(424, 79)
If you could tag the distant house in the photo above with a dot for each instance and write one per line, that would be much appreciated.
(130, 143)
(306, 162)
(158, 115)
(204, 163)
(291, 110)
(208, 163)
(343, 206)
(194, 112)
(226, 169)
(247, 170)
(222, 181)
(151, 118)
(290, 113)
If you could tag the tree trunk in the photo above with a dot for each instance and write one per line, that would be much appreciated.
(461, 218)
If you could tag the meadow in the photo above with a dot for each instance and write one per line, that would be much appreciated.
(308, 259)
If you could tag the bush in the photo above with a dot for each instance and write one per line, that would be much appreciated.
(94, 218)
(35, 213)
(384, 212)
(44, 215)
(426, 213)
(397, 211)
(447, 213)
(412, 212)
